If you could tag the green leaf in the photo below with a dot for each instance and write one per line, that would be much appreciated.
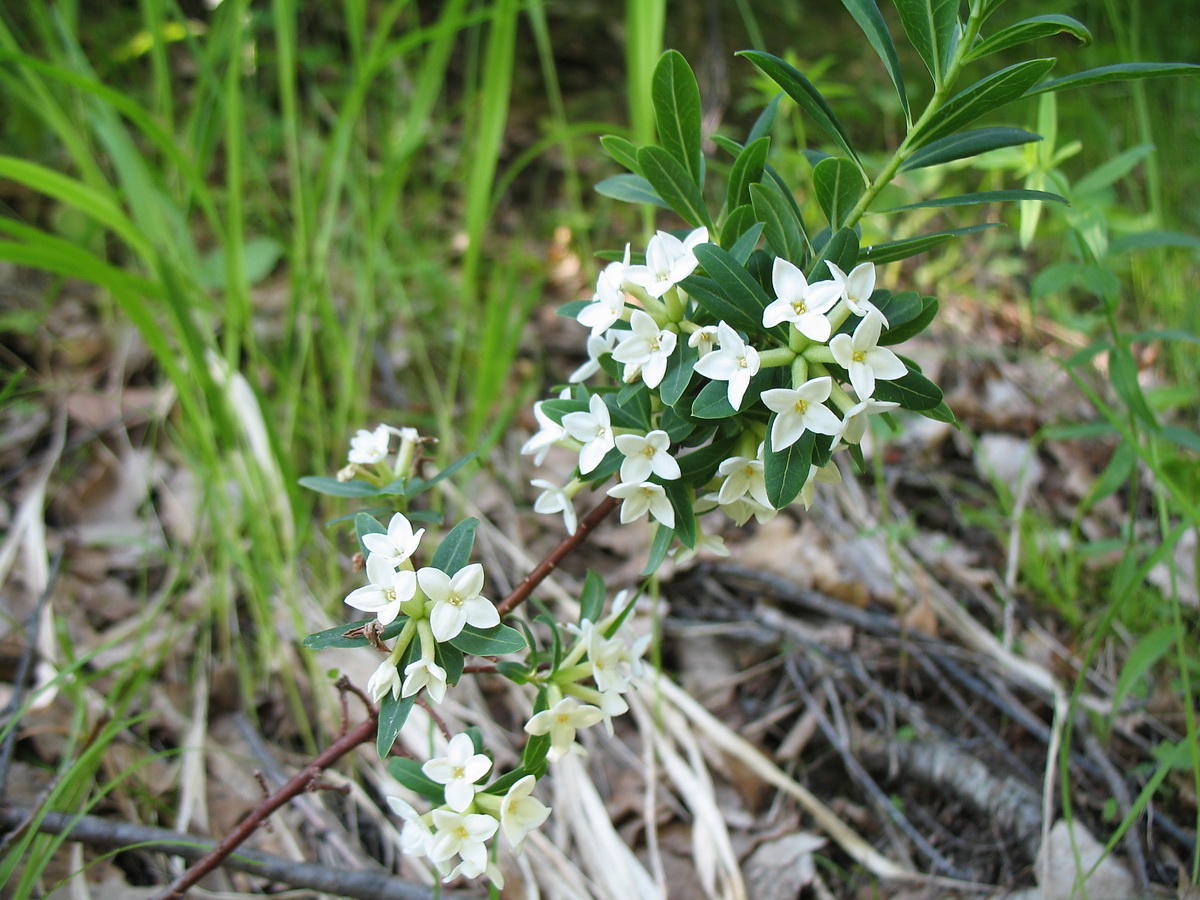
(747, 170)
(838, 185)
(658, 548)
(1119, 72)
(713, 402)
(533, 757)
(365, 523)
(740, 233)
(676, 99)
(495, 641)
(1144, 240)
(336, 637)
(592, 597)
(866, 14)
(408, 772)
(782, 227)
(786, 470)
(335, 488)
(673, 183)
(932, 27)
(898, 308)
(841, 250)
(980, 198)
(455, 550)
(450, 658)
(392, 715)
(681, 496)
(734, 282)
(1030, 30)
(966, 144)
(894, 250)
(941, 413)
(805, 94)
(765, 121)
(679, 373)
(993, 92)
(1141, 660)
(698, 467)
(914, 391)
(899, 333)
(623, 151)
(631, 189)
(420, 485)
(713, 301)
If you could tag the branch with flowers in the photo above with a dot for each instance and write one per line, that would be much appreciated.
(727, 364)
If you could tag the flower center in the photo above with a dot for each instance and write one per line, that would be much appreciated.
(648, 452)
(801, 406)
(390, 594)
(800, 307)
(462, 832)
(563, 718)
(654, 345)
(459, 772)
(858, 356)
(741, 361)
(454, 600)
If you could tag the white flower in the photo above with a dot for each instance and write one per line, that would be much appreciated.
(740, 510)
(863, 359)
(640, 498)
(608, 303)
(801, 303)
(857, 287)
(469, 868)
(520, 813)
(596, 347)
(398, 544)
(461, 835)
(613, 661)
(550, 433)
(416, 836)
(456, 601)
(458, 770)
(561, 722)
(594, 430)
(668, 261)
(801, 410)
(743, 476)
(644, 455)
(854, 425)
(735, 362)
(385, 680)
(825, 475)
(425, 673)
(705, 543)
(554, 499)
(644, 349)
(386, 592)
(704, 340)
(369, 447)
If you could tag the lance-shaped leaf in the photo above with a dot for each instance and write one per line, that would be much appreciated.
(932, 27)
(455, 550)
(866, 14)
(408, 772)
(841, 249)
(334, 488)
(630, 188)
(981, 98)
(838, 185)
(781, 225)
(420, 485)
(681, 496)
(677, 113)
(393, 714)
(1030, 30)
(744, 246)
(734, 281)
(737, 225)
(786, 470)
(623, 151)
(674, 184)
(747, 170)
(894, 250)
(800, 89)
(765, 121)
(1119, 72)
(679, 373)
(495, 641)
(712, 300)
(982, 197)
(914, 391)
(968, 143)
(658, 548)
(592, 597)
(898, 334)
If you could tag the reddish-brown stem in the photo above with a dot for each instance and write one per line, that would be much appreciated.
(543, 569)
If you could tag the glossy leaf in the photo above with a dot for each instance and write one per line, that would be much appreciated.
(698, 467)
(913, 391)
(658, 548)
(838, 185)
(870, 20)
(455, 550)
(592, 597)
(676, 99)
(800, 89)
(681, 496)
(1030, 30)
(781, 226)
(630, 189)
(966, 144)
(932, 27)
(420, 485)
(679, 373)
(747, 170)
(894, 250)
(673, 183)
(744, 247)
(1119, 72)
(841, 249)
(940, 413)
(786, 470)
(982, 197)
(734, 282)
(898, 309)
(765, 121)
(408, 772)
(713, 402)
(336, 636)
(334, 488)
(495, 641)
(899, 333)
(986, 95)
(623, 151)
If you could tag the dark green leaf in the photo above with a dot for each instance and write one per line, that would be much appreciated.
(364, 523)
(679, 373)
(932, 27)
(630, 406)
(1119, 72)
(500, 786)
(677, 426)
(419, 485)
(940, 413)
(735, 228)
(747, 242)
(335, 636)
(781, 226)
(631, 189)
(966, 144)
(1030, 30)
(591, 599)
(734, 282)
(455, 550)
(408, 772)
(981, 197)
(533, 758)
(899, 333)
(914, 391)
(681, 496)
(897, 308)
(713, 301)
(713, 402)
(554, 410)
(894, 250)
(572, 308)
(677, 113)
(805, 94)
(393, 714)
(765, 121)
(728, 144)
(747, 170)
(673, 183)
(331, 486)
(495, 641)
(993, 92)
(658, 548)
(838, 185)
(786, 470)
(841, 250)
(698, 467)
(450, 658)
(622, 150)
(866, 14)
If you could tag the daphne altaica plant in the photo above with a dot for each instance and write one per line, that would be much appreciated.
(728, 363)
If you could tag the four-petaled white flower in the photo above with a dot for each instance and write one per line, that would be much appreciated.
(460, 835)
(668, 261)
(801, 303)
(736, 362)
(594, 430)
(644, 349)
(386, 592)
(801, 410)
(826, 475)
(385, 680)
(520, 812)
(642, 498)
(645, 455)
(549, 434)
(854, 425)
(857, 288)
(608, 303)
(613, 660)
(369, 447)
(705, 543)
(704, 340)
(561, 721)
(743, 476)
(597, 346)
(554, 499)
(863, 359)
(424, 673)
(458, 770)
(416, 837)
(456, 601)
(398, 544)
